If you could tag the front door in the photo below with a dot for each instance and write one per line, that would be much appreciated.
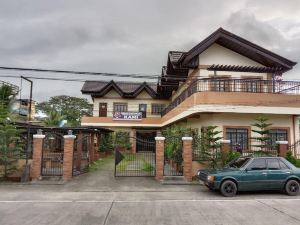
(143, 110)
(103, 109)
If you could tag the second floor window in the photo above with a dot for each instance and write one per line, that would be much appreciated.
(120, 107)
(157, 108)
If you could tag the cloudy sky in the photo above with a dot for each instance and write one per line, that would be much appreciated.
(131, 36)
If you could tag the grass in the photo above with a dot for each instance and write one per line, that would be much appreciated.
(129, 157)
(96, 165)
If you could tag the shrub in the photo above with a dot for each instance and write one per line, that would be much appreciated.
(231, 155)
(292, 159)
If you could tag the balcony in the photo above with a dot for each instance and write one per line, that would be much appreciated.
(247, 86)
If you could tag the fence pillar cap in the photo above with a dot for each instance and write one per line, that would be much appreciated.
(160, 138)
(282, 142)
(224, 141)
(39, 136)
(187, 138)
(69, 136)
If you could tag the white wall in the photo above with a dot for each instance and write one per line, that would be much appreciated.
(133, 104)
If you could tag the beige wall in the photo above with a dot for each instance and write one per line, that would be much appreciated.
(217, 54)
(133, 104)
(222, 120)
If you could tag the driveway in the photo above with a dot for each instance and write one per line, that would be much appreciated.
(99, 198)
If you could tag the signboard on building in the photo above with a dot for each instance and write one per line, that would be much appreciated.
(127, 116)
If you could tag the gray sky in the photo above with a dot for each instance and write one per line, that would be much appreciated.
(132, 36)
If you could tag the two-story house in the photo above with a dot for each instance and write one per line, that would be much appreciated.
(224, 81)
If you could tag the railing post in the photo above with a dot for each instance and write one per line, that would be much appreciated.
(36, 165)
(282, 148)
(160, 147)
(225, 147)
(68, 155)
(187, 158)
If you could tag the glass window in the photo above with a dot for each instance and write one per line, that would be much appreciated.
(157, 108)
(278, 135)
(283, 166)
(238, 138)
(273, 164)
(120, 107)
(258, 164)
(239, 162)
(221, 85)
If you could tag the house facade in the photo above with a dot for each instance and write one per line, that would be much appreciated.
(224, 81)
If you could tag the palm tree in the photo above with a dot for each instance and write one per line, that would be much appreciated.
(54, 118)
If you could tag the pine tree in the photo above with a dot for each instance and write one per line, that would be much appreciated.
(263, 138)
(210, 146)
(10, 147)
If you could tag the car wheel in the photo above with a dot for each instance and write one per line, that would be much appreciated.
(292, 187)
(228, 188)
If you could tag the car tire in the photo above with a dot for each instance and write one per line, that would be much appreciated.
(228, 188)
(292, 187)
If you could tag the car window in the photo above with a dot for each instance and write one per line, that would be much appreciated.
(258, 164)
(239, 162)
(273, 164)
(283, 166)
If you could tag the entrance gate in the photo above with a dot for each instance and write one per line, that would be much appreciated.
(139, 164)
(81, 155)
(52, 155)
(173, 156)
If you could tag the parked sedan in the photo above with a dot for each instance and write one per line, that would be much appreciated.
(253, 174)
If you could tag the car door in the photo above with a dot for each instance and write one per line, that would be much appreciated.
(277, 173)
(255, 175)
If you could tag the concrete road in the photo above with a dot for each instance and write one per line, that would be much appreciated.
(111, 208)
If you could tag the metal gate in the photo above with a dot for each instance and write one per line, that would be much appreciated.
(81, 155)
(139, 164)
(52, 155)
(173, 156)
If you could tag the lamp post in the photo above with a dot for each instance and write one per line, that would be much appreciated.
(25, 176)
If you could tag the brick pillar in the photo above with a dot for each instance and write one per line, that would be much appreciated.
(79, 151)
(160, 147)
(36, 165)
(187, 158)
(68, 156)
(92, 149)
(133, 140)
(282, 148)
(225, 146)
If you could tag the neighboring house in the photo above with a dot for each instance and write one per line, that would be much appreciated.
(21, 107)
(227, 81)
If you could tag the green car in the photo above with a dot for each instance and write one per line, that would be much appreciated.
(253, 174)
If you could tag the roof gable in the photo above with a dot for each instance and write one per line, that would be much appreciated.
(240, 46)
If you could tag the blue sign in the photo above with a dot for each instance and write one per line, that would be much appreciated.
(127, 116)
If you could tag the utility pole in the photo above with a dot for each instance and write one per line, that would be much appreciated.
(25, 176)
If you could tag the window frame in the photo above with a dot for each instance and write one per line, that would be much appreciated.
(123, 103)
(248, 128)
(161, 108)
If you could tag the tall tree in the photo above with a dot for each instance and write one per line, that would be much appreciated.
(10, 147)
(72, 108)
(262, 138)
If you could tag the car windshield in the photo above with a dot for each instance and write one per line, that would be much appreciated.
(239, 162)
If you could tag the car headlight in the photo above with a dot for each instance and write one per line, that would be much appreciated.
(210, 178)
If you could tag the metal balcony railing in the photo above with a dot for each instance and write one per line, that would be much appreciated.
(235, 85)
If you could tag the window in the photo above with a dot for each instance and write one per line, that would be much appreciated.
(283, 166)
(102, 109)
(258, 164)
(221, 84)
(278, 135)
(273, 164)
(238, 138)
(120, 107)
(251, 85)
(157, 108)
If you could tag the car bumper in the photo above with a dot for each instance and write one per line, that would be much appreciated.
(211, 185)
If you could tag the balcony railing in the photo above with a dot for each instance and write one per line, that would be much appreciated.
(235, 85)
